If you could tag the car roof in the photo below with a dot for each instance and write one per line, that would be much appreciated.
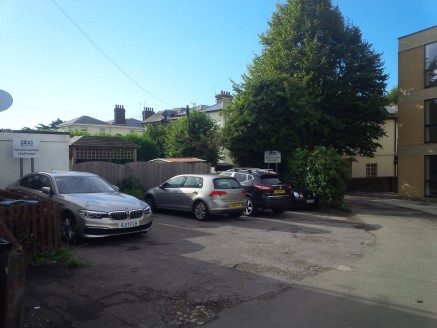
(252, 170)
(202, 175)
(64, 173)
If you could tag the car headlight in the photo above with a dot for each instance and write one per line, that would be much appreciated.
(297, 194)
(86, 214)
(147, 210)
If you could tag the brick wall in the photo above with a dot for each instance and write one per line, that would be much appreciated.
(411, 176)
(411, 66)
(411, 124)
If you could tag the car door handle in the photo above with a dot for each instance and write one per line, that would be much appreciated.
(195, 192)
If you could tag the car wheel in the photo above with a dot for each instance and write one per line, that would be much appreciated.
(68, 228)
(149, 200)
(250, 207)
(200, 211)
(235, 215)
(278, 210)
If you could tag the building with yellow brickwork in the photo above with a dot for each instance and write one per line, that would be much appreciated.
(417, 115)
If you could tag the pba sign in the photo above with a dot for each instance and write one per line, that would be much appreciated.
(272, 156)
(26, 148)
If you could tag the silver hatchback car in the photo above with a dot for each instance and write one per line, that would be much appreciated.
(200, 194)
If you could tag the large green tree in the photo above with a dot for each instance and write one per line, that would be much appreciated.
(269, 113)
(310, 41)
(194, 135)
(156, 133)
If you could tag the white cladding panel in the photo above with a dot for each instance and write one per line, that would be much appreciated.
(53, 155)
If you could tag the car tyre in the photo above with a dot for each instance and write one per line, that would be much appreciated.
(200, 211)
(250, 207)
(68, 228)
(151, 201)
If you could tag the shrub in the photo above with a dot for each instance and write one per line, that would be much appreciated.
(132, 186)
(323, 171)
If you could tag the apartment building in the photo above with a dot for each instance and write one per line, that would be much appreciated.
(417, 115)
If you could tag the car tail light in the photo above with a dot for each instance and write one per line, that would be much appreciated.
(217, 193)
(243, 192)
(263, 187)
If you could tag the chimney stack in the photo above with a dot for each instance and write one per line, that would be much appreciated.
(223, 97)
(147, 112)
(119, 115)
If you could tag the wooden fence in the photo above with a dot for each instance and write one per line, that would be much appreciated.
(32, 225)
(149, 174)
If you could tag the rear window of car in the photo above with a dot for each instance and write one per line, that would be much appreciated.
(226, 183)
(271, 179)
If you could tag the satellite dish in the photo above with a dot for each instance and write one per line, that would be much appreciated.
(5, 100)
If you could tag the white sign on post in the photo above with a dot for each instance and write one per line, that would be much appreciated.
(272, 156)
(26, 148)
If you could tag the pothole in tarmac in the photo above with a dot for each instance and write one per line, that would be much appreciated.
(190, 308)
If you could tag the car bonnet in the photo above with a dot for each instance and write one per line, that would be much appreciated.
(106, 202)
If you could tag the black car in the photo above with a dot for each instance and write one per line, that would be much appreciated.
(265, 189)
(301, 197)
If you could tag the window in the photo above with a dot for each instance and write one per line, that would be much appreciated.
(226, 183)
(36, 182)
(241, 177)
(174, 182)
(431, 176)
(371, 170)
(431, 120)
(431, 64)
(193, 182)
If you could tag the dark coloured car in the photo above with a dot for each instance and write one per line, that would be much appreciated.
(265, 189)
(200, 194)
(301, 197)
(86, 204)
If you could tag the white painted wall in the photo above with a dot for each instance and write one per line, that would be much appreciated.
(109, 129)
(54, 154)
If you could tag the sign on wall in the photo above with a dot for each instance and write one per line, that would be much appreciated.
(26, 147)
(272, 156)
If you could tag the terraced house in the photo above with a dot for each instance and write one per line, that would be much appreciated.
(417, 114)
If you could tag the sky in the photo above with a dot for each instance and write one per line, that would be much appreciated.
(64, 58)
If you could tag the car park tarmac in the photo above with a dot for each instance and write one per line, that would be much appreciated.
(247, 272)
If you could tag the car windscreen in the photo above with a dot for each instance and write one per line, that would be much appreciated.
(82, 185)
(226, 183)
(271, 179)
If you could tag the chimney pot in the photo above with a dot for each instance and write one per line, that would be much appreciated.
(147, 112)
(119, 115)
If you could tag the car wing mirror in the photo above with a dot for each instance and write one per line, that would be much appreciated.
(116, 188)
(47, 190)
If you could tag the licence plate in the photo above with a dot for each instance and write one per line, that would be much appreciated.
(129, 224)
(279, 191)
(310, 201)
(236, 205)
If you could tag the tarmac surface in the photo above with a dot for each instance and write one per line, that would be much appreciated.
(238, 295)
(393, 199)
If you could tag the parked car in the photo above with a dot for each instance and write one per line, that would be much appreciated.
(301, 197)
(265, 189)
(86, 204)
(200, 194)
